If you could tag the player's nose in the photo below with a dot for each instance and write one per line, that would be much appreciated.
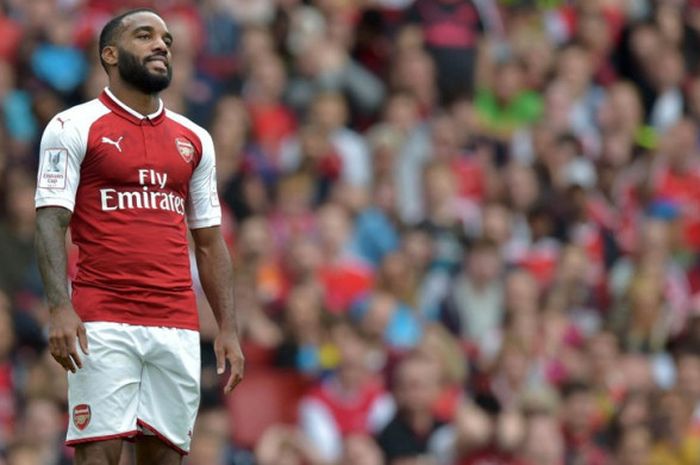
(159, 45)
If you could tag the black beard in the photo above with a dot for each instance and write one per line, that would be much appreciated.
(135, 73)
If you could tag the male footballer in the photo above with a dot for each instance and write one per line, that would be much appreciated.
(130, 178)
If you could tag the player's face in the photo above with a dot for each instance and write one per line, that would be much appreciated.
(144, 53)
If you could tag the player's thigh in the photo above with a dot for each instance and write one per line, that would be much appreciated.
(98, 453)
(152, 451)
(103, 395)
(169, 396)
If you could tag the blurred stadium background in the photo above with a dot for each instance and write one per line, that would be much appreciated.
(464, 231)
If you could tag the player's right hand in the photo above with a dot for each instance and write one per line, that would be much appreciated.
(64, 326)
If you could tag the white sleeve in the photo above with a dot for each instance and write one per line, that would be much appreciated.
(320, 427)
(62, 151)
(203, 209)
(381, 413)
(442, 444)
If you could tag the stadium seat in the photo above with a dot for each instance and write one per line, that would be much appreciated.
(267, 396)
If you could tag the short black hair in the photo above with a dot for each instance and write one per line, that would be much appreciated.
(113, 28)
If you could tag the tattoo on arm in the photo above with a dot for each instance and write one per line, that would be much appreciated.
(50, 244)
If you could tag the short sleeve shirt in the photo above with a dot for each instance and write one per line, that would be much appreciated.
(134, 183)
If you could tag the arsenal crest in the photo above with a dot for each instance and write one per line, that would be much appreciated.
(185, 148)
(81, 416)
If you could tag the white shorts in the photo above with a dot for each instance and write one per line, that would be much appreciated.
(136, 380)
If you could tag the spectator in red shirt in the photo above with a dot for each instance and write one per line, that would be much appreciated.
(344, 275)
(677, 178)
(271, 120)
(351, 401)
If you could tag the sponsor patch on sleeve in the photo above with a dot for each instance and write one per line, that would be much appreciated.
(54, 167)
(213, 194)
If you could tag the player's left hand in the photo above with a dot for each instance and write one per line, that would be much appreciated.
(227, 347)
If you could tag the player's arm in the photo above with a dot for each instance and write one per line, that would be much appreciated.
(64, 324)
(214, 261)
(216, 276)
(61, 154)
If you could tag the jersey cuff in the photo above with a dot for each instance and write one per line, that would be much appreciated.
(204, 222)
(54, 202)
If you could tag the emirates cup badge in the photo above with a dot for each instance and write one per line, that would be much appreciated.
(185, 148)
(81, 416)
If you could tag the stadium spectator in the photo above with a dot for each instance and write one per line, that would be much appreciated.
(352, 401)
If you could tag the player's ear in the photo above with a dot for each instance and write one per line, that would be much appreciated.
(110, 55)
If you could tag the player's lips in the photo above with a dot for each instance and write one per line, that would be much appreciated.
(158, 59)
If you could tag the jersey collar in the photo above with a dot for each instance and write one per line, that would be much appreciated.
(122, 109)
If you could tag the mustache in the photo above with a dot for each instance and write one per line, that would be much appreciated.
(157, 55)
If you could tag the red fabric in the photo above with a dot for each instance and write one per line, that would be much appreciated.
(11, 34)
(605, 73)
(694, 280)
(491, 456)
(447, 403)
(110, 284)
(622, 218)
(125, 435)
(469, 177)
(7, 400)
(442, 27)
(270, 125)
(267, 397)
(541, 260)
(351, 414)
(684, 190)
(344, 283)
(330, 166)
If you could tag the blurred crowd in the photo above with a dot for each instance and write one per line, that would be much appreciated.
(465, 232)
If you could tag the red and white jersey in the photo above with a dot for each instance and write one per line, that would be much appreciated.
(134, 184)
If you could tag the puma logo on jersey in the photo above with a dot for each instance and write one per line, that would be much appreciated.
(107, 140)
(63, 122)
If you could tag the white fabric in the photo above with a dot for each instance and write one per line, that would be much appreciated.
(136, 376)
(667, 109)
(62, 150)
(381, 413)
(317, 422)
(130, 110)
(442, 445)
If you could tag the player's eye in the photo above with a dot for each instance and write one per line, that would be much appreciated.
(144, 35)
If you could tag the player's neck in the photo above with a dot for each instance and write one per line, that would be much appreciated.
(134, 98)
